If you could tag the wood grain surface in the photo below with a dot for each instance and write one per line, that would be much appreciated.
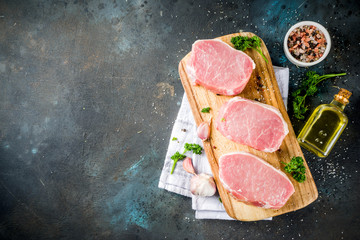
(262, 87)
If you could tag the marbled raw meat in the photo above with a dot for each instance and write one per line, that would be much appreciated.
(252, 123)
(250, 179)
(219, 67)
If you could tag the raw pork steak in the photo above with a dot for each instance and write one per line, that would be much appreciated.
(252, 180)
(251, 123)
(218, 67)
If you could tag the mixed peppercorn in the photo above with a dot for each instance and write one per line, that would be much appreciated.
(307, 43)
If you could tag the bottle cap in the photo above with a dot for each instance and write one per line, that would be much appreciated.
(343, 96)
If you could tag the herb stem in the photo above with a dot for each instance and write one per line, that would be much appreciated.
(303, 101)
(173, 166)
(322, 78)
(260, 52)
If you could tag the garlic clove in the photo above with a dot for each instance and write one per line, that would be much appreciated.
(202, 185)
(188, 166)
(203, 131)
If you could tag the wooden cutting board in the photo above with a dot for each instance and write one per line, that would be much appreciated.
(262, 87)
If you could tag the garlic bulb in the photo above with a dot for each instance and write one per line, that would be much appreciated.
(202, 185)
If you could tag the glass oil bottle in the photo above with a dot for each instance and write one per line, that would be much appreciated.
(325, 125)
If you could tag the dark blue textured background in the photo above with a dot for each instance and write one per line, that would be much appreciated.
(89, 91)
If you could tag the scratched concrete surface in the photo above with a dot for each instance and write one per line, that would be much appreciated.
(89, 91)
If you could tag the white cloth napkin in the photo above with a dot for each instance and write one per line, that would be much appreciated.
(185, 131)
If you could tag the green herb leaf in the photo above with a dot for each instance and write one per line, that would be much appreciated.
(205, 110)
(308, 88)
(174, 139)
(299, 177)
(196, 148)
(296, 168)
(297, 92)
(242, 43)
(311, 90)
(176, 157)
(223, 120)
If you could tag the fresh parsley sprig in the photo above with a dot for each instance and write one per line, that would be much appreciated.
(242, 43)
(205, 110)
(296, 168)
(176, 157)
(308, 88)
(196, 148)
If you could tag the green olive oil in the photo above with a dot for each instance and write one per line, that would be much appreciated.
(325, 125)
